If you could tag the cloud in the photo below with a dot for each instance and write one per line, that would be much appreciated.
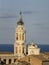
(30, 12)
(8, 15)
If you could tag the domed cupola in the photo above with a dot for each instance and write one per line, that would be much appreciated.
(20, 22)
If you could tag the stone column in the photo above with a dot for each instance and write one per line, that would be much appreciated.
(12, 61)
(7, 61)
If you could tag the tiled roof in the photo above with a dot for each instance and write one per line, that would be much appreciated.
(46, 53)
(42, 57)
(22, 63)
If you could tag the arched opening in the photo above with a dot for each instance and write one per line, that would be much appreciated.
(20, 36)
(23, 50)
(14, 60)
(9, 61)
(5, 61)
(0, 59)
(23, 36)
(16, 36)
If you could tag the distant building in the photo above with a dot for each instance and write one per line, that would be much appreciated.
(33, 49)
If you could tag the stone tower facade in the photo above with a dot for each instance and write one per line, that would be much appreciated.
(20, 39)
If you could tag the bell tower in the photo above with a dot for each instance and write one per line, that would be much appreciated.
(20, 39)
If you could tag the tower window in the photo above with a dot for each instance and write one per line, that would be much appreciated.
(16, 36)
(23, 36)
(23, 50)
(20, 36)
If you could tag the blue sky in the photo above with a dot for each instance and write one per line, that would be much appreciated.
(36, 23)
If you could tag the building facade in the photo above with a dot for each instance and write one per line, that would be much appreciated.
(33, 49)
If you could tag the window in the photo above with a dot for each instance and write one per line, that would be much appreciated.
(23, 50)
(16, 36)
(9, 61)
(14, 60)
(23, 36)
(20, 36)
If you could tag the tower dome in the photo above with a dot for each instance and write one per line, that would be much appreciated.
(20, 22)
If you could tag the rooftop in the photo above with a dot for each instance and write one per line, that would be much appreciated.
(42, 57)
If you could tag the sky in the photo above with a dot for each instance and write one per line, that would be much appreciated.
(35, 23)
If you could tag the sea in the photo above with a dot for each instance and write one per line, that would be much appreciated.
(10, 48)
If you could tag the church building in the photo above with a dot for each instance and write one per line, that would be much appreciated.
(19, 45)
